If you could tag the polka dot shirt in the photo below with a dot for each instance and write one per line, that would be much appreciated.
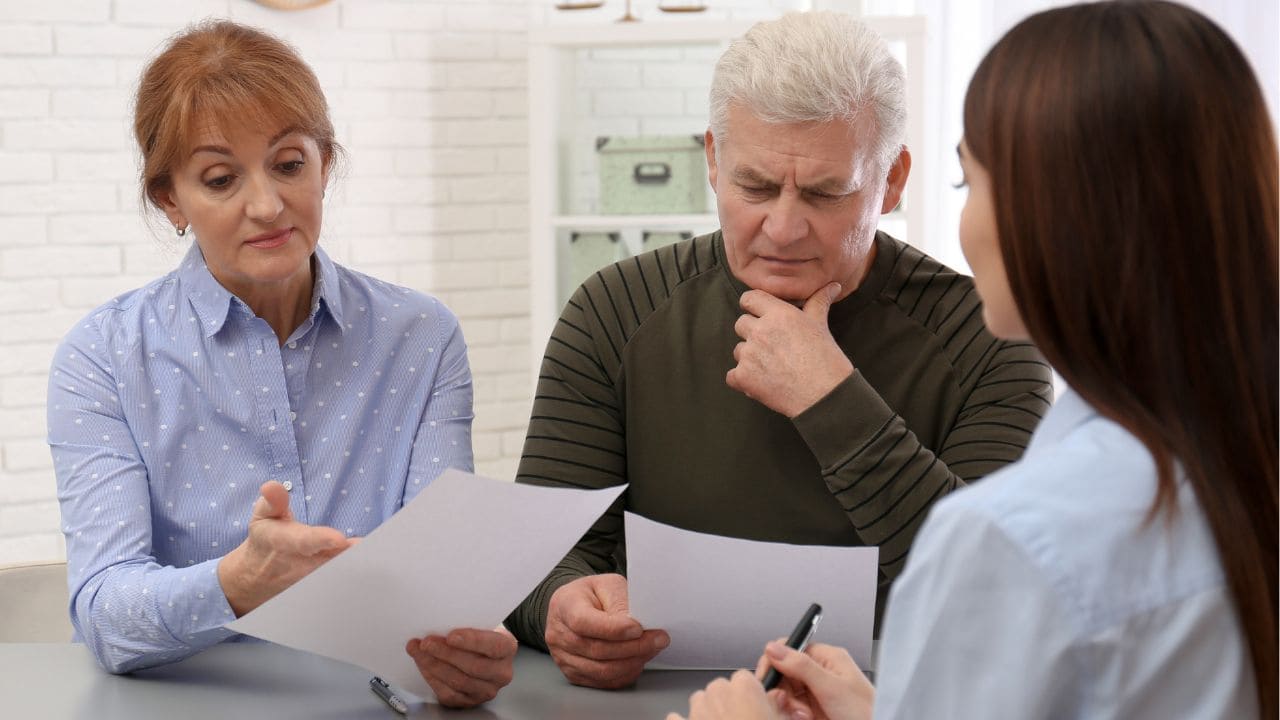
(170, 405)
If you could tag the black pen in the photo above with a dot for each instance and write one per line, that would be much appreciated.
(799, 639)
(383, 690)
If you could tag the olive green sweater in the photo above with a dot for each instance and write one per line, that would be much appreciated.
(632, 390)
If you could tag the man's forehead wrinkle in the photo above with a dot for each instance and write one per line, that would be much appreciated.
(827, 183)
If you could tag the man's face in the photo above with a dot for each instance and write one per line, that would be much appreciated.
(799, 202)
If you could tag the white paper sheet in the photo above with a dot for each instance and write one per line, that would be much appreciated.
(462, 554)
(721, 599)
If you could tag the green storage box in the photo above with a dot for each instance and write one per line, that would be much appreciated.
(587, 252)
(654, 175)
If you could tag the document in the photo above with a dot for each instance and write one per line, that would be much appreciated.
(462, 554)
(721, 599)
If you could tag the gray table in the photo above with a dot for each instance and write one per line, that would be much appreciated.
(242, 681)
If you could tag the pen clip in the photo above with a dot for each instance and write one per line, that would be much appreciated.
(813, 628)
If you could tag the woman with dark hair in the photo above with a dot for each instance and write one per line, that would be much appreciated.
(1122, 214)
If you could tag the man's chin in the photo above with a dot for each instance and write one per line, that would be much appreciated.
(787, 289)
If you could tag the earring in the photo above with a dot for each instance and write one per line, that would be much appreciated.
(182, 231)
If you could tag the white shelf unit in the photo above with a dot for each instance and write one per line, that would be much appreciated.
(552, 129)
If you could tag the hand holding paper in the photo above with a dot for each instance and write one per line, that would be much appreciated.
(462, 554)
(466, 667)
(592, 636)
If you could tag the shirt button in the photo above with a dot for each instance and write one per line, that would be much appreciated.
(288, 485)
(293, 415)
(293, 346)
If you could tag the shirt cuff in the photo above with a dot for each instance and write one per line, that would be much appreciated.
(842, 423)
(200, 621)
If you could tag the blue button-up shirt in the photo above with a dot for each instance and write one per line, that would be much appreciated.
(1041, 592)
(170, 405)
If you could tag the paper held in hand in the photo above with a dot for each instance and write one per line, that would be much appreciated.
(721, 599)
(462, 554)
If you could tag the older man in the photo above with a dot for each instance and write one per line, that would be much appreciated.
(795, 377)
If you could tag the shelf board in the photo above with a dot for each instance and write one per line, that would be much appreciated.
(648, 222)
(687, 31)
(638, 34)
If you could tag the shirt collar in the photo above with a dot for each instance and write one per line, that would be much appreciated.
(212, 302)
(327, 291)
(1069, 411)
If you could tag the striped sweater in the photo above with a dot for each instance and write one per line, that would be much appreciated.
(632, 390)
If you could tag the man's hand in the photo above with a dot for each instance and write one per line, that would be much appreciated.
(592, 637)
(787, 360)
(467, 667)
(279, 552)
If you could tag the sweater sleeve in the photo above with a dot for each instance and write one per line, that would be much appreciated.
(575, 439)
(886, 480)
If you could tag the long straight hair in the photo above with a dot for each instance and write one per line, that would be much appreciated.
(1134, 173)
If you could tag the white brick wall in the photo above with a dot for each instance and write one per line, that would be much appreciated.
(429, 100)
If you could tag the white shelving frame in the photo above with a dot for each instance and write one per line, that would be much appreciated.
(551, 52)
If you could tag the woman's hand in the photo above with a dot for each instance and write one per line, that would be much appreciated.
(467, 667)
(738, 697)
(821, 683)
(278, 552)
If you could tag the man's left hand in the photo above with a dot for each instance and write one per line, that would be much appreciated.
(467, 667)
(787, 360)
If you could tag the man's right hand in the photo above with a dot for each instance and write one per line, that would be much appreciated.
(278, 552)
(593, 638)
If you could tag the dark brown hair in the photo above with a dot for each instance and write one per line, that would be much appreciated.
(222, 73)
(1134, 175)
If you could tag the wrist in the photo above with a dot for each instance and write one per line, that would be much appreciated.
(831, 381)
(230, 578)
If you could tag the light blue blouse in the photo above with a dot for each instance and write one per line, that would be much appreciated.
(1040, 593)
(170, 405)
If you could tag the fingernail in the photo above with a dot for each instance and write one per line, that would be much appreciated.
(775, 650)
(663, 641)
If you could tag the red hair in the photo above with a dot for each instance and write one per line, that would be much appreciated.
(223, 74)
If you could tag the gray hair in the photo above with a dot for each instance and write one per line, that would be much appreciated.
(813, 67)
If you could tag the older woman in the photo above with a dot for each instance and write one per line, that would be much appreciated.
(224, 430)
(1122, 213)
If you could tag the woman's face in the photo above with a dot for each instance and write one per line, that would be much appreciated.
(254, 200)
(981, 245)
